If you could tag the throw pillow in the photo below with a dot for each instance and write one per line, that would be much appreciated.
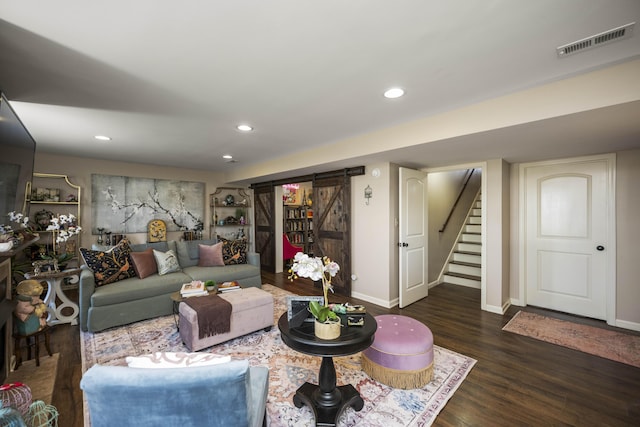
(167, 262)
(109, 266)
(176, 360)
(210, 256)
(234, 251)
(144, 263)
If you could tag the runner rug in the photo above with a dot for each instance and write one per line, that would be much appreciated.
(288, 369)
(608, 344)
(40, 379)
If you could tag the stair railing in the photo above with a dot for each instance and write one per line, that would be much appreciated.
(468, 174)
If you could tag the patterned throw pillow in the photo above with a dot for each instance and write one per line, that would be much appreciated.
(176, 360)
(167, 262)
(109, 266)
(234, 251)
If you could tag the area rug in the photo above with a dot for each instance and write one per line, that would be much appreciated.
(621, 347)
(40, 379)
(384, 406)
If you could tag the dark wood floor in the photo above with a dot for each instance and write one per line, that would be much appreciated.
(517, 381)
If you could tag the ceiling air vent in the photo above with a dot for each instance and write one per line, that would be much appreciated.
(615, 34)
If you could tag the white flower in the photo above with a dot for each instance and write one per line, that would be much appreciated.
(20, 219)
(65, 227)
(315, 268)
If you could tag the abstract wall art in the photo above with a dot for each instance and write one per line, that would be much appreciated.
(123, 204)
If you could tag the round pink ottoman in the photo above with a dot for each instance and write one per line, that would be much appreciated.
(401, 355)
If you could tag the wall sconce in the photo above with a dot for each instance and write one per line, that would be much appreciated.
(368, 193)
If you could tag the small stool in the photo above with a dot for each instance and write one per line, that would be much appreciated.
(401, 355)
(31, 340)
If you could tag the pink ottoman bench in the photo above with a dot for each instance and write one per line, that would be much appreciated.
(401, 355)
(252, 310)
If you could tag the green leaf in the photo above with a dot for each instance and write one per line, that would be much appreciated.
(320, 312)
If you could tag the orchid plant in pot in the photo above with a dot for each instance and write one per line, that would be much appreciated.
(327, 324)
(63, 228)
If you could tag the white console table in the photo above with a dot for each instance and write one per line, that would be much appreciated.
(54, 280)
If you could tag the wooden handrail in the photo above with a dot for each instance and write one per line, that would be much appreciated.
(466, 181)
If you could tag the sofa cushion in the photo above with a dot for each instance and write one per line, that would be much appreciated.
(226, 274)
(210, 256)
(167, 262)
(188, 251)
(234, 251)
(134, 289)
(159, 246)
(144, 263)
(109, 266)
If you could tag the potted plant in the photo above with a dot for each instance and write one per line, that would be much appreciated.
(327, 325)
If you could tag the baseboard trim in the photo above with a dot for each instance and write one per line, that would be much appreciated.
(634, 326)
(376, 301)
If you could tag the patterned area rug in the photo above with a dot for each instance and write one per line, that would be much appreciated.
(384, 406)
(611, 345)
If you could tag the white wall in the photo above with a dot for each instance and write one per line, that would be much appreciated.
(495, 194)
(372, 241)
(628, 239)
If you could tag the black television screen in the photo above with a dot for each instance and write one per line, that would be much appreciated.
(17, 151)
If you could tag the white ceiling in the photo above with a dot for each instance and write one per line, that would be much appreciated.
(169, 81)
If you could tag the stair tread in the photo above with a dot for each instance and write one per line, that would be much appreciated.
(465, 263)
(467, 253)
(462, 275)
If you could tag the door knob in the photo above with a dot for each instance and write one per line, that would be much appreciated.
(403, 245)
(600, 248)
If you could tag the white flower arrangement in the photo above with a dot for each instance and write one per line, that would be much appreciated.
(315, 268)
(7, 232)
(64, 226)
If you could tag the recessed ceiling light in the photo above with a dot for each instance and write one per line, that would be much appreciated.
(227, 156)
(244, 128)
(102, 138)
(394, 92)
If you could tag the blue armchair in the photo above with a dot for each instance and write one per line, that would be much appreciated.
(229, 394)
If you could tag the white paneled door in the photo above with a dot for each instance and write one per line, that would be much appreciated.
(569, 243)
(413, 236)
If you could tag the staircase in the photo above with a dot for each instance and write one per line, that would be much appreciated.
(464, 266)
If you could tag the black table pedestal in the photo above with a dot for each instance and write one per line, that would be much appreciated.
(326, 400)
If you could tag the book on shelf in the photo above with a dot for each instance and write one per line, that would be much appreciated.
(195, 287)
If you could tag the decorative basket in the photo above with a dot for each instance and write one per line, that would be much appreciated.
(16, 395)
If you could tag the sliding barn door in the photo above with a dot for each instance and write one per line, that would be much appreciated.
(265, 227)
(331, 226)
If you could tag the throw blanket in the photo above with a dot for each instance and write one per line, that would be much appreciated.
(214, 314)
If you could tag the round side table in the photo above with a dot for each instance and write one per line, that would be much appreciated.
(326, 399)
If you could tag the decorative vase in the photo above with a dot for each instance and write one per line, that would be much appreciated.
(329, 330)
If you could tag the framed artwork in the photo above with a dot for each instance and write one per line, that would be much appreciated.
(123, 204)
(298, 309)
(157, 231)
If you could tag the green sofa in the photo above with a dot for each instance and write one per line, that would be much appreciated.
(135, 299)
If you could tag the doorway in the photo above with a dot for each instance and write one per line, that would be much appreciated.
(331, 214)
(569, 233)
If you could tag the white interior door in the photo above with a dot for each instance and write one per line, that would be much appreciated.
(413, 236)
(568, 235)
